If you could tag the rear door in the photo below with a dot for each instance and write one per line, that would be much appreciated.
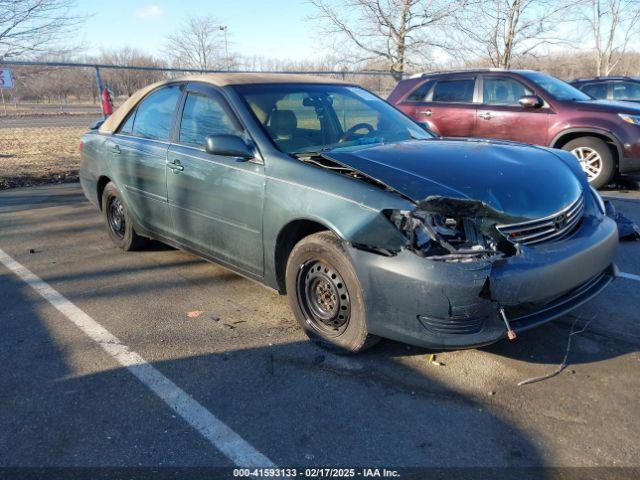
(501, 116)
(449, 106)
(215, 201)
(139, 154)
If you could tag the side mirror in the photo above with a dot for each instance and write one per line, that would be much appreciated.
(228, 146)
(530, 101)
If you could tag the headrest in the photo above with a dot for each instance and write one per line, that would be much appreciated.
(283, 122)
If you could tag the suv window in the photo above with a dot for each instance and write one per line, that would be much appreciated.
(454, 90)
(626, 91)
(155, 113)
(420, 93)
(204, 115)
(595, 90)
(502, 91)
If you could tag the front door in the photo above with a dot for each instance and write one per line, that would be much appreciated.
(215, 201)
(501, 116)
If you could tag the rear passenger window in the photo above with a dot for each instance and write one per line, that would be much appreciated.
(155, 114)
(502, 91)
(454, 91)
(596, 90)
(127, 126)
(420, 93)
(204, 115)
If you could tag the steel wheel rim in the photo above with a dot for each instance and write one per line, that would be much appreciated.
(116, 217)
(323, 298)
(590, 161)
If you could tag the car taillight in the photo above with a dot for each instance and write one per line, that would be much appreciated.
(81, 146)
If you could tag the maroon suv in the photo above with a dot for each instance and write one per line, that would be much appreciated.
(530, 107)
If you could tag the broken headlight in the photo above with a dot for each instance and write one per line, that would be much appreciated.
(447, 238)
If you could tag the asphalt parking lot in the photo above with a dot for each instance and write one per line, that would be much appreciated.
(233, 347)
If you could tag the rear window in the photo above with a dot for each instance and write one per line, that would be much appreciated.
(454, 91)
(420, 93)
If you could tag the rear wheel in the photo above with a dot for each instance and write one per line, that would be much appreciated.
(325, 295)
(118, 220)
(595, 158)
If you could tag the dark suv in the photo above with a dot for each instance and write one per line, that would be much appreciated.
(530, 107)
(610, 88)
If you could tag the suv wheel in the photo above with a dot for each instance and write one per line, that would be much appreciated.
(325, 295)
(595, 158)
(119, 224)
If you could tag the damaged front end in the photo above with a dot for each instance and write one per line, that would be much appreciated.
(454, 230)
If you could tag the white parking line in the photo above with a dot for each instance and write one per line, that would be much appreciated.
(629, 276)
(210, 427)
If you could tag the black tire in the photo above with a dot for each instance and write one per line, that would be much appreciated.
(325, 295)
(608, 166)
(118, 220)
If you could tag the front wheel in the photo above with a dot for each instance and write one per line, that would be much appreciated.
(118, 220)
(595, 158)
(325, 295)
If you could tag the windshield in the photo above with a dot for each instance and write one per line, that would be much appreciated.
(310, 118)
(555, 87)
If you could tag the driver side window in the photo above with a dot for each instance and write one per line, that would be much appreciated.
(204, 115)
(503, 91)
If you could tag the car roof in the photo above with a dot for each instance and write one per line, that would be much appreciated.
(605, 79)
(112, 123)
(470, 70)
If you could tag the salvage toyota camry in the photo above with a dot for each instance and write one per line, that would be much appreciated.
(371, 225)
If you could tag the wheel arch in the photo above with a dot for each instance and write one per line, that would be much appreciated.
(564, 137)
(102, 183)
(287, 238)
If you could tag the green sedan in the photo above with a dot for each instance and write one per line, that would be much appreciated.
(373, 226)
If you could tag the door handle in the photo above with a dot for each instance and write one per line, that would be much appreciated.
(486, 116)
(425, 113)
(116, 149)
(176, 166)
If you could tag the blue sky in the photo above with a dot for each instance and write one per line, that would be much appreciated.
(270, 28)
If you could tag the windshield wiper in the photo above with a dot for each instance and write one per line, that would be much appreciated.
(310, 153)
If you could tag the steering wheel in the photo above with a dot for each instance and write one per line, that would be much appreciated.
(348, 135)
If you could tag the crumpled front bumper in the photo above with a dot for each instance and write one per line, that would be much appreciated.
(438, 304)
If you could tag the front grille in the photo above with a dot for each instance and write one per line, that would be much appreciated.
(553, 227)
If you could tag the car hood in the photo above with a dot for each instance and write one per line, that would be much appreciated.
(608, 106)
(524, 182)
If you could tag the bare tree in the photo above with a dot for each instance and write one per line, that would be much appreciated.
(392, 30)
(125, 81)
(613, 23)
(501, 31)
(199, 43)
(34, 26)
